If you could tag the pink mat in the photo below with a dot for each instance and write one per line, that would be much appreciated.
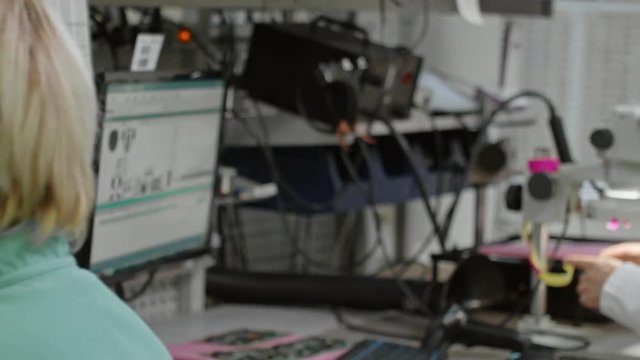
(198, 351)
(518, 250)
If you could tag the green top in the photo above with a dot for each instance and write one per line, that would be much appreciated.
(51, 309)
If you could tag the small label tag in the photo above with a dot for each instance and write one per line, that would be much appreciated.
(147, 52)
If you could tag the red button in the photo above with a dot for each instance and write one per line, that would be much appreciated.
(407, 78)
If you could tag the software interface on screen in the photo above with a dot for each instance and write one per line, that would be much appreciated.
(157, 162)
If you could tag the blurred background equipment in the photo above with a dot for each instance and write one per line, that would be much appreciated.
(330, 66)
(368, 146)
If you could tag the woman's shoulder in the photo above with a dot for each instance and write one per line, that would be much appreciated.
(73, 313)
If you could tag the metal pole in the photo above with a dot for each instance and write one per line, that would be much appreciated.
(540, 244)
(480, 216)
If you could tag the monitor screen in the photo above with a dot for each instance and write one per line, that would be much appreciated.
(157, 158)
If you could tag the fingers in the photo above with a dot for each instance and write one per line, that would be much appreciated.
(614, 252)
(589, 291)
(582, 285)
(590, 302)
(588, 297)
(626, 251)
(595, 272)
(627, 258)
(617, 254)
(582, 262)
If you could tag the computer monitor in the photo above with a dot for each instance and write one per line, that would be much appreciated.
(156, 158)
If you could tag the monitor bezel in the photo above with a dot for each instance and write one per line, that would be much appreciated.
(103, 80)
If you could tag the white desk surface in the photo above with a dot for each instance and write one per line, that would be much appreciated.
(299, 321)
(606, 339)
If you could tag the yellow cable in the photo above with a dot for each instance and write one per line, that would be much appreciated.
(555, 280)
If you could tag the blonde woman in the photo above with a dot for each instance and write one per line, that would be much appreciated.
(49, 308)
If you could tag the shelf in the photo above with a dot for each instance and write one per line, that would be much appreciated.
(507, 7)
(244, 4)
(286, 129)
(290, 130)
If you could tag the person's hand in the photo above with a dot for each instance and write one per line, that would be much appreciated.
(629, 252)
(595, 272)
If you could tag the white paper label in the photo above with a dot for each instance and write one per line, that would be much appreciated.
(470, 11)
(147, 52)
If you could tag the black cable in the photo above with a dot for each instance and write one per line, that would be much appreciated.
(377, 223)
(406, 149)
(276, 175)
(302, 109)
(269, 157)
(439, 163)
(224, 259)
(424, 246)
(353, 174)
(427, 293)
(291, 193)
(229, 43)
(239, 239)
(295, 255)
(432, 236)
(454, 206)
(143, 289)
(482, 131)
(601, 191)
(460, 122)
(310, 239)
(368, 255)
(439, 160)
(230, 237)
(279, 202)
(351, 168)
(402, 142)
(225, 233)
(526, 303)
(554, 120)
(239, 226)
(119, 290)
(340, 77)
(419, 181)
(352, 112)
(522, 307)
(104, 32)
(295, 246)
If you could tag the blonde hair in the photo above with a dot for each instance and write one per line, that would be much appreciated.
(47, 120)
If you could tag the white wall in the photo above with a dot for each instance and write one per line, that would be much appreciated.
(586, 59)
(76, 15)
(467, 51)
(470, 53)
(418, 227)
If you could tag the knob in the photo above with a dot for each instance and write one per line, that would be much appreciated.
(541, 186)
(602, 139)
(488, 163)
(492, 158)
